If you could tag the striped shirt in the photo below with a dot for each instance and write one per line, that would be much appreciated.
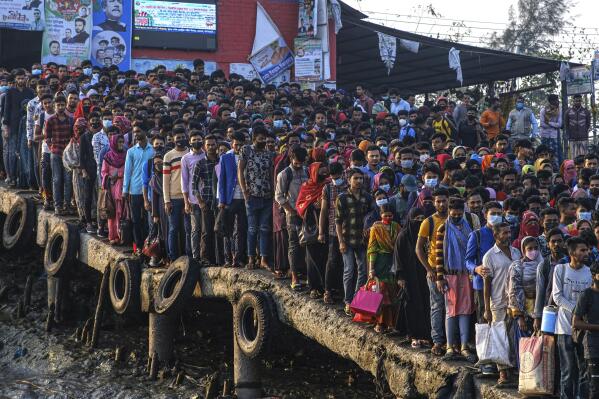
(171, 171)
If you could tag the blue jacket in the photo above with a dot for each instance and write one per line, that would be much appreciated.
(227, 179)
(474, 253)
(136, 158)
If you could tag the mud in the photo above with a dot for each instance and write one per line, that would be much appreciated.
(38, 364)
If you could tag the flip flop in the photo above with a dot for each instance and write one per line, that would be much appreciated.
(297, 287)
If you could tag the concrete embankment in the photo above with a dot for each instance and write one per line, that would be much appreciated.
(408, 373)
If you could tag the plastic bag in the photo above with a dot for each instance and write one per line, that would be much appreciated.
(492, 345)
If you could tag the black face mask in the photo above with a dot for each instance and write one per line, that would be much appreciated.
(170, 146)
(456, 219)
(86, 108)
(595, 192)
(196, 145)
(550, 226)
(471, 117)
(260, 145)
(181, 143)
(159, 149)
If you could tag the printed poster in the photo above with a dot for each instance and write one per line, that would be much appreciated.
(243, 69)
(66, 38)
(272, 60)
(308, 59)
(22, 14)
(111, 34)
(141, 65)
(579, 81)
(307, 18)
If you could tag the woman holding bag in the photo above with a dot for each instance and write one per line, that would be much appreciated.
(113, 169)
(381, 268)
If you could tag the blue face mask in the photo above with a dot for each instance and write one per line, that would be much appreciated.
(36, 72)
(338, 181)
(519, 106)
(287, 110)
(385, 187)
(211, 104)
(385, 150)
(430, 183)
(407, 163)
(3, 89)
(494, 220)
(192, 97)
(511, 219)
(278, 124)
(107, 124)
(381, 202)
(87, 71)
(120, 81)
(585, 216)
(332, 135)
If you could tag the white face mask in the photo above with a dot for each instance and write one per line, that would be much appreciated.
(402, 122)
(424, 157)
(338, 181)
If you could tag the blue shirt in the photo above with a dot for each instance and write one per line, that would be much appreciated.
(474, 253)
(134, 163)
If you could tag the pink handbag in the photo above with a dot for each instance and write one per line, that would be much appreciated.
(366, 302)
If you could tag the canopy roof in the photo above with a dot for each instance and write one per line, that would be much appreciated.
(359, 60)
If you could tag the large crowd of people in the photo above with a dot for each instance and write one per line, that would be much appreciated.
(456, 213)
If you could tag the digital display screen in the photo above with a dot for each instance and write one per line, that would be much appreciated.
(175, 24)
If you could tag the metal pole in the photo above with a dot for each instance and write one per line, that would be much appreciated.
(593, 113)
(562, 138)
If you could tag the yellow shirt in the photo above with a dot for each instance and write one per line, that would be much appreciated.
(442, 126)
(425, 232)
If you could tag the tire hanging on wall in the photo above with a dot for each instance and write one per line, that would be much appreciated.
(176, 285)
(19, 225)
(124, 286)
(61, 249)
(254, 320)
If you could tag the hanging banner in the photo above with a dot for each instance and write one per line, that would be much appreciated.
(579, 81)
(22, 14)
(66, 38)
(111, 34)
(270, 55)
(307, 18)
(246, 70)
(455, 64)
(308, 59)
(387, 50)
(409, 45)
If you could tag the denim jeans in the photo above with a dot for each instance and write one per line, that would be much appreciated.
(61, 182)
(574, 382)
(175, 233)
(259, 217)
(235, 245)
(593, 373)
(437, 300)
(353, 258)
(9, 149)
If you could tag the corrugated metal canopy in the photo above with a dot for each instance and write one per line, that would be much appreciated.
(359, 61)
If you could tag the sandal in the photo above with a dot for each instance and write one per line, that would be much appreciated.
(297, 286)
(379, 328)
(347, 310)
(450, 354)
(315, 294)
(416, 344)
(437, 350)
(469, 356)
(279, 275)
(328, 298)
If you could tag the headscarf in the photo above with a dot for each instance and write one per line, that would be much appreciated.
(528, 169)
(456, 148)
(387, 172)
(318, 154)
(122, 123)
(425, 194)
(80, 125)
(173, 93)
(529, 269)
(114, 157)
(442, 158)
(413, 225)
(486, 161)
(526, 230)
(569, 176)
(310, 191)
(79, 113)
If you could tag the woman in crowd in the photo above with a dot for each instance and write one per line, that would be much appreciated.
(113, 168)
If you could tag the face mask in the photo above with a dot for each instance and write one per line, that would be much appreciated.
(196, 145)
(260, 145)
(430, 183)
(584, 216)
(332, 135)
(532, 254)
(277, 124)
(381, 202)
(287, 110)
(211, 104)
(36, 72)
(394, 100)
(386, 220)
(159, 149)
(407, 164)
(519, 106)
(338, 182)
(423, 157)
(87, 71)
(456, 219)
(461, 190)
(385, 149)
(192, 97)
(120, 81)
(550, 226)
(181, 143)
(402, 122)
(385, 187)
(107, 124)
(471, 117)
(511, 219)
(494, 220)
(86, 108)
(594, 191)
(3, 89)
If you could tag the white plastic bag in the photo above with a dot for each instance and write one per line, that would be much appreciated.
(492, 345)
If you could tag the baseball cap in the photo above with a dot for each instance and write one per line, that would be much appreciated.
(409, 182)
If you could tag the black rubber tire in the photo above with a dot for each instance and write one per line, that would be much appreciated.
(176, 285)
(253, 323)
(61, 249)
(18, 229)
(124, 286)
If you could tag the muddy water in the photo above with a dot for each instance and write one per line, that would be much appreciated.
(37, 364)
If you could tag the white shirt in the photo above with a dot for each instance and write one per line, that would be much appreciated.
(499, 266)
(568, 285)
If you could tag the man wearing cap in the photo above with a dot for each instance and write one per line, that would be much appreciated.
(402, 200)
